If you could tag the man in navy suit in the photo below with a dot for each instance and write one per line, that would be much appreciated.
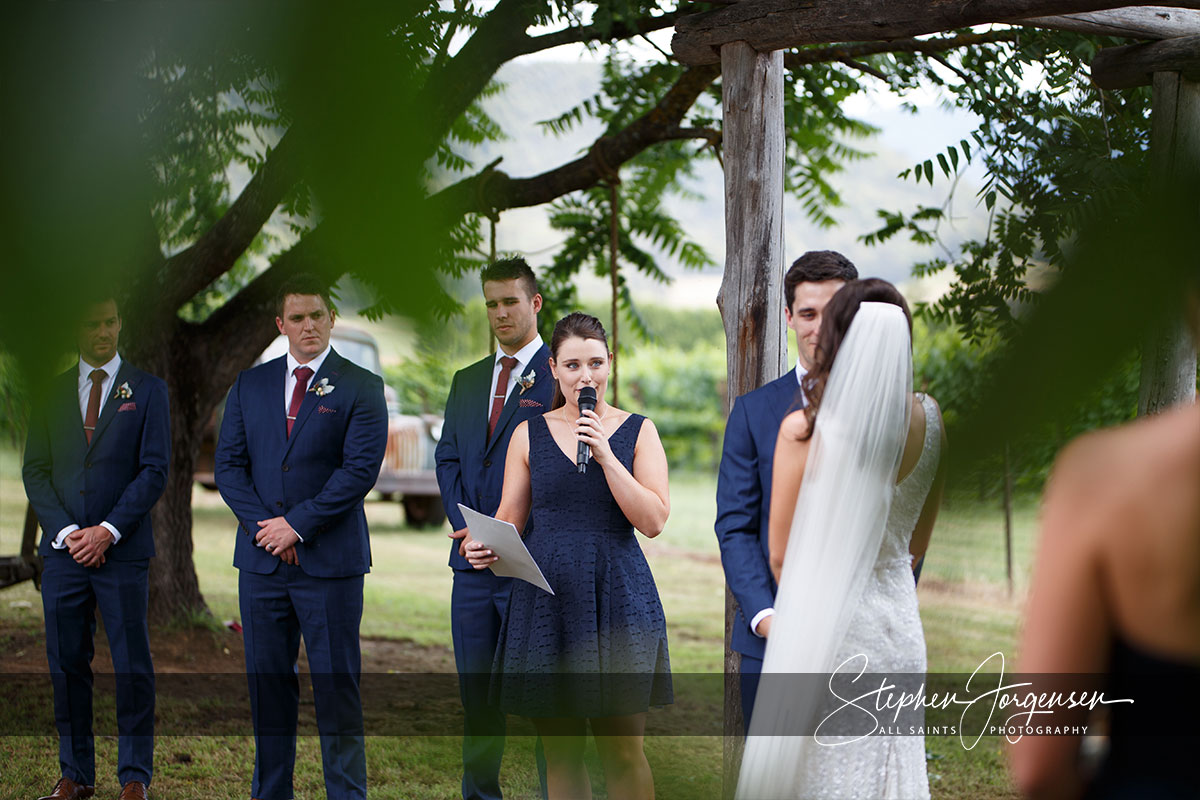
(744, 481)
(301, 445)
(487, 401)
(95, 463)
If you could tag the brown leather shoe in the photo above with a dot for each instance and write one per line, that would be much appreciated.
(134, 790)
(67, 789)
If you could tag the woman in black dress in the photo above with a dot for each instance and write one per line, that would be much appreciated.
(596, 650)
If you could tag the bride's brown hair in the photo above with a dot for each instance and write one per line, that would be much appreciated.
(835, 322)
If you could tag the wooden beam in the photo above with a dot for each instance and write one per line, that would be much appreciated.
(1168, 353)
(1136, 64)
(1150, 22)
(751, 295)
(769, 25)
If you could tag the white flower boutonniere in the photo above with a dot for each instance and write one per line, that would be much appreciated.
(526, 381)
(123, 391)
(322, 387)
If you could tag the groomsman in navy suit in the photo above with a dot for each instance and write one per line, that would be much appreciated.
(744, 481)
(487, 401)
(95, 463)
(301, 445)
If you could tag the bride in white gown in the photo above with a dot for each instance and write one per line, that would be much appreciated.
(853, 505)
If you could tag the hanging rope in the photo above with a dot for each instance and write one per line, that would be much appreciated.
(492, 260)
(613, 178)
(612, 271)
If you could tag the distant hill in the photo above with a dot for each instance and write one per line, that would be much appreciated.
(538, 90)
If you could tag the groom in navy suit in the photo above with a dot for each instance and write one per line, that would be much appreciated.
(744, 481)
(487, 401)
(95, 463)
(301, 445)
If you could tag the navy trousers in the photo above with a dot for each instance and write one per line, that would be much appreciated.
(278, 609)
(478, 602)
(751, 672)
(70, 596)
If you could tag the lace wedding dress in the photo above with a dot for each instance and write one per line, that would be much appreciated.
(886, 628)
(846, 589)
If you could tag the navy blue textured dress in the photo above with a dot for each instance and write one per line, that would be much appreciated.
(597, 647)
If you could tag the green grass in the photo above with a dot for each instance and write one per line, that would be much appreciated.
(965, 608)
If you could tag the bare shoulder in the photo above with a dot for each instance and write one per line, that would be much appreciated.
(1121, 476)
(794, 426)
(647, 433)
(520, 436)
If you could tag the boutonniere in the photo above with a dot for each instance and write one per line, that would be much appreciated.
(123, 391)
(526, 381)
(322, 387)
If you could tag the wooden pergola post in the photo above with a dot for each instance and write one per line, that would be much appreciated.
(1172, 68)
(751, 296)
(1168, 354)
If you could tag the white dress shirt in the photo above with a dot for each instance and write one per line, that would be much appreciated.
(289, 380)
(84, 389)
(766, 612)
(524, 357)
(289, 385)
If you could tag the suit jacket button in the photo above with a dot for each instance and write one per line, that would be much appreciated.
(487, 462)
(88, 465)
(278, 504)
(81, 491)
(286, 467)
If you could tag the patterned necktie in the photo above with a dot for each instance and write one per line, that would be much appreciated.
(302, 375)
(93, 407)
(506, 365)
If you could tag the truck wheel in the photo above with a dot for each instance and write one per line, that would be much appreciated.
(423, 511)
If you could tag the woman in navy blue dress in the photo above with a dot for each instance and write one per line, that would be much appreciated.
(596, 650)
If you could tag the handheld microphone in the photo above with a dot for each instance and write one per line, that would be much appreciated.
(587, 402)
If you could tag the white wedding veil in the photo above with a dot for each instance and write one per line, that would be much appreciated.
(836, 534)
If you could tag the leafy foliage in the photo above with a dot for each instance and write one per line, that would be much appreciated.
(1056, 151)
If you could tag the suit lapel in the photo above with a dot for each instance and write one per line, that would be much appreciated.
(330, 369)
(540, 367)
(66, 400)
(124, 374)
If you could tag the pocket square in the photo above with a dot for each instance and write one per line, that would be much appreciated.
(326, 410)
(127, 407)
(528, 402)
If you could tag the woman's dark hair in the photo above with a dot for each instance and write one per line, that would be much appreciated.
(835, 322)
(575, 325)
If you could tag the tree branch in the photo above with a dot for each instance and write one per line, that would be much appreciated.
(594, 33)
(493, 190)
(214, 253)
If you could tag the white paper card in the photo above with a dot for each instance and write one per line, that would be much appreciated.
(503, 539)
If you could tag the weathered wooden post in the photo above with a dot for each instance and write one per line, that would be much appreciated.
(1172, 67)
(751, 296)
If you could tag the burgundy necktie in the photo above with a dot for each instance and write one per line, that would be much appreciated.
(498, 396)
(93, 408)
(302, 375)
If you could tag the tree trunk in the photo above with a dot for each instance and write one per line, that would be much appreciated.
(198, 365)
(751, 296)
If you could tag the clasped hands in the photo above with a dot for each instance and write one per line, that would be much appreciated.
(278, 538)
(88, 545)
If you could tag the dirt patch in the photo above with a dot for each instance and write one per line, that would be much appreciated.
(205, 651)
